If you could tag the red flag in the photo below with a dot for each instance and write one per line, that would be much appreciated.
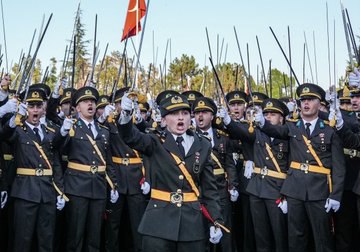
(136, 11)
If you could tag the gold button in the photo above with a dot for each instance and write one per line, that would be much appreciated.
(267, 158)
(81, 137)
(93, 152)
(307, 151)
(93, 162)
(307, 161)
(178, 204)
(127, 154)
(178, 190)
(155, 205)
(40, 156)
(181, 177)
(40, 165)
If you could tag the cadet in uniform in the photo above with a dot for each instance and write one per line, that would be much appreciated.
(315, 180)
(225, 173)
(38, 183)
(267, 177)
(180, 165)
(86, 174)
(130, 178)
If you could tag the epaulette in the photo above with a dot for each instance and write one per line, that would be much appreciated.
(103, 126)
(326, 122)
(192, 128)
(244, 121)
(220, 132)
(292, 120)
(50, 129)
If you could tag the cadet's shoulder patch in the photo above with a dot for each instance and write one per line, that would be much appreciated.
(50, 129)
(292, 120)
(326, 122)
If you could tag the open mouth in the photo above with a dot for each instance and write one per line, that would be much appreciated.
(90, 109)
(35, 117)
(201, 121)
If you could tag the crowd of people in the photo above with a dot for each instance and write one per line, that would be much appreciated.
(82, 171)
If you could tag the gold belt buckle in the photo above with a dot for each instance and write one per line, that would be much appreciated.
(304, 167)
(94, 169)
(39, 172)
(125, 161)
(176, 198)
(353, 153)
(264, 172)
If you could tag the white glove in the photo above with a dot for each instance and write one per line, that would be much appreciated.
(145, 187)
(354, 78)
(157, 115)
(215, 235)
(332, 204)
(61, 114)
(234, 194)
(283, 206)
(337, 114)
(114, 196)
(291, 106)
(9, 107)
(64, 82)
(259, 118)
(60, 202)
(222, 112)
(55, 93)
(66, 126)
(138, 117)
(3, 200)
(126, 103)
(249, 169)
(107, 111)
(22, 109)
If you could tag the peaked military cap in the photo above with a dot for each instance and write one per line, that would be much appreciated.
(119, 94)
(34, 95)
(165, 94)
(85, 93)
(310, 91)
(66, 96)
(173, 103)
(144, 107)
(204, 104)
(236, 97)
(275, 105)
(44, 87)
(257, 98)
(103, 101)
(192, 95)
(344, 95)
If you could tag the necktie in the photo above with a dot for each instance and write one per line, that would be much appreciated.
(307, 129)
(179, 140)
(92, 134)
(38, 138)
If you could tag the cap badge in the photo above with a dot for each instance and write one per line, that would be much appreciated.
(176, 99)
(88, 92)
(305, 90)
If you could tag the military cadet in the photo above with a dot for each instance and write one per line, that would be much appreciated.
(180, 165)
(248, 233)
(38, 186)
(225, 173)
(267, 176)
(130, 178)
(315, 180)
(89, 165)
(346, 228)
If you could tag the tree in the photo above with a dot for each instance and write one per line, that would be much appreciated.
(52, 78)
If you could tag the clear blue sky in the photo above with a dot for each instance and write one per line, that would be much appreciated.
(184, 22)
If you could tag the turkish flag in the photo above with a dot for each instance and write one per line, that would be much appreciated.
(136, 11)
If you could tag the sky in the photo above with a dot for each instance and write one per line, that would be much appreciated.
(184, 23)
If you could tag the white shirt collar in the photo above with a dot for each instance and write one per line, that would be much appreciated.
(313, 123)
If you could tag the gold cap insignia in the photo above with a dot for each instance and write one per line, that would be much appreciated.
(104, 100)
(68, 94)
(201, 104)
(88, 92)
(237, 96)
(255, 97)
(176, 99)
(269, 104)
(305, 90)
(35, 94)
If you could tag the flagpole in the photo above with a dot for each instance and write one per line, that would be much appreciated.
(134, 84)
